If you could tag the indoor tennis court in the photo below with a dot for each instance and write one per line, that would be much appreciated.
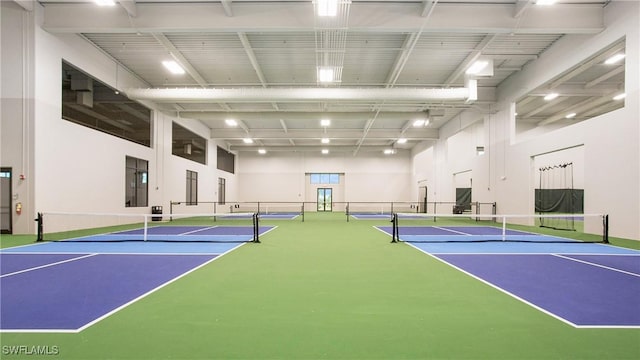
(320, 179)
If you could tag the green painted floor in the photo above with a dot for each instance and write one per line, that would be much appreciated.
(328, 289)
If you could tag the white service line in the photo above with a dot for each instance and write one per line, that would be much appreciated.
(47, 265)
(596, 265)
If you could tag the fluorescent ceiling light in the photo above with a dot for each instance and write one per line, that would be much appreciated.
(545, 2)
(402, 141)
(476, 67)
(173, 67)
(327, 7)
(325, 140)
(389, 151)
(325, 74)
(105, 2)
(325, 151)
(231, 122)
(419, 122)
(325, 122)
(551, 96)
(620, 96)
(248, 140)
(569, 116)
(262, 151)
(614, 59)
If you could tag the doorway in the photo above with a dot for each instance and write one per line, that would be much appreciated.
(5, 201)
(325, 199)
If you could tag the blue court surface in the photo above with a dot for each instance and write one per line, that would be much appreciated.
(586, 285)
(68, 286)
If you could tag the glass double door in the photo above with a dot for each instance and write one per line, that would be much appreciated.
(325, 199)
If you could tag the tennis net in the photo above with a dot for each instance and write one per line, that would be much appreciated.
(105, 227)
(443, 228)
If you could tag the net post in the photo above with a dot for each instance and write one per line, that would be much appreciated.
(146, 227)
(256, 228)
(347, 211)
(435, 210)
(504, 228)
(394, 228)
(605, 228)
(40, 234)
(302, 211)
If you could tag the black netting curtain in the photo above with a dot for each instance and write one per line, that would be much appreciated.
(556, 193)
(463, 198)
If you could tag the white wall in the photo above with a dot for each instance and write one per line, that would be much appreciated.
(82, 170)
(16, 115)
(609, 143)
(281, 176)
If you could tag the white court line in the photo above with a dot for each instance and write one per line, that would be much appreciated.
(449, 230)
(197, 230)
(46, 265)
(519, 298)
(497, 287)
(93, 322)
(596, 265)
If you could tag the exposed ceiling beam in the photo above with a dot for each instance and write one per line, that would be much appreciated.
(252, 58)
(254, 61)
(578, 90)
(401, 58)
(521, 7)
(578, 108)
(546, 106)
(586, 65)
(177, 56)
(295, 16)
(604, 77)
(427, 7)
(26, 4)
(473, 56)
(226, 5)
(130, 7)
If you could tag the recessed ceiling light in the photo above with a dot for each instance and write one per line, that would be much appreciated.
(614, 59)
(419, 122)
(248, 140)
(105, 2)
(551, 96)
(262, 151)
(402, 141)
(173, 67)
(477, 66)
(325, 74)
(545, 2)
(327, 7)
(620, 96)
(325, 140)
(569, 116)
(325, 151)
(231, 122)
(325, 122)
